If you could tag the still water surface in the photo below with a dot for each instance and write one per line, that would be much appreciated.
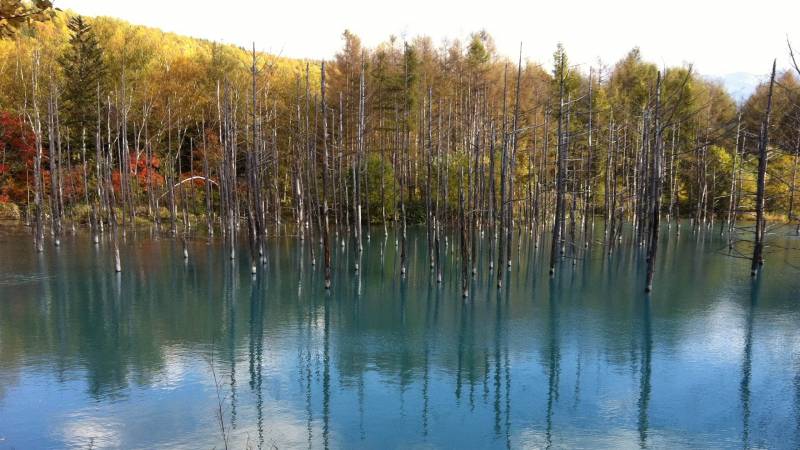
(90, 358)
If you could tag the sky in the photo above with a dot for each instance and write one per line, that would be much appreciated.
(720, 38)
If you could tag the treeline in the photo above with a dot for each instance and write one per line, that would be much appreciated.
(110, 124)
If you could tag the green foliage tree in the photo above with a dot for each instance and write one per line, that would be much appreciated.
(477, 52)
(631, 84)
(572, 78)
(84, 71)
(171, 81)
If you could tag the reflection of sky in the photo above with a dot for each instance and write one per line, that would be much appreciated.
(612, 438)
(177, 409)
(394, 371)
(178, 414)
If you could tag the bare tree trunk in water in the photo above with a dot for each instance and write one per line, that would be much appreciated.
(560, 167)
(112, 214)
(790, 215)
(492, 198)
(588, 208)
(36, 124)
(404, 179)
(731, 196)
(758, 248)
(55, 162)
(464, 245)
(501, 259)
(655, 190)
(428, 201)
(514, 139)
(209, 211)
(325, 234)
(171, 180)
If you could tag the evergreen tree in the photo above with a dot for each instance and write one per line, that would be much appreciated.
(84, 71)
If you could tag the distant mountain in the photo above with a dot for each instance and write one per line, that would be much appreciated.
(740, 84)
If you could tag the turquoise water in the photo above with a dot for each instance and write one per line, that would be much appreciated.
(90, 358)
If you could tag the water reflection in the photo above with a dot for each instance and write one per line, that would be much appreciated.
(554, 357)
(747, 362)
(256, 352)
(646, 365)
(89, 357)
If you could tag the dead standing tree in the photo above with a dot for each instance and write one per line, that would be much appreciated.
(465, 256)
(514, 140)
(36, 124)
(655, 189)
(255, 211)
(501, 228)
(758, 247)
(54, 160)
(797, 146)
(561, 159)
(325, 233)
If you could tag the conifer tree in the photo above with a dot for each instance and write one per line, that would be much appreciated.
(84, 70)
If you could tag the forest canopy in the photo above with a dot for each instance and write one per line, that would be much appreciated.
(389, 108)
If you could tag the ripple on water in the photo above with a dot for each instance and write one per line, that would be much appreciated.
(17, 279)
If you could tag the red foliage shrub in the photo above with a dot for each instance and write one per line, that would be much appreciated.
(17, 151)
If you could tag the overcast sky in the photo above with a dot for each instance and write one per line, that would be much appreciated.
(718, 37)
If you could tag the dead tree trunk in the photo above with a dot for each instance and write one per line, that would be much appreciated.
(514, 141)
(465, 258)
(732, 193)
(501, 229)
(655, 190)
(588, 207)
(54, 161)
(561, 159)
(207, 174)
(357, 237)
(428, 182)
(36, 124)
(793, 183)
(325, 234)
(758, 248)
